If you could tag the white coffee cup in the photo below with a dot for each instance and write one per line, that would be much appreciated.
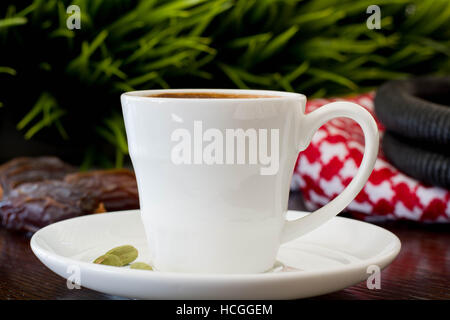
(208, 210)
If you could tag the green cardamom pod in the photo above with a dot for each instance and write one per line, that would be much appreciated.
(126, 254)
(109, 260)
(141, 265)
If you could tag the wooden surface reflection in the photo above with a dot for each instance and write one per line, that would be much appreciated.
(421, 271)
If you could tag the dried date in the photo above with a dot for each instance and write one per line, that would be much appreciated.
(32, 206)
(23, 170)
(115, 189)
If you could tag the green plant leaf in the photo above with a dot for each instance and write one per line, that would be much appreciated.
(11, 22)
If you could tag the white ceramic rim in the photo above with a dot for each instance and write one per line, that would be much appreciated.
(382, 259)
(275, 95)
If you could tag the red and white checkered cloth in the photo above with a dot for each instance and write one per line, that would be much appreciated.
(332, 159)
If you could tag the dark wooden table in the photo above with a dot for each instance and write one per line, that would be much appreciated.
(421, 271)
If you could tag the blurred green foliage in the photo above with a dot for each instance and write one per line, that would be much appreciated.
(321, 48)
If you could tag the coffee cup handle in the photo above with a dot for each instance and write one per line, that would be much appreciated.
(310, 124)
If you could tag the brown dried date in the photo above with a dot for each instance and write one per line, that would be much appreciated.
(31, 206)
(115, 189)
(21, 170)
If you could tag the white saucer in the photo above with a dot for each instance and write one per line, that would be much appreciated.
(330, 258)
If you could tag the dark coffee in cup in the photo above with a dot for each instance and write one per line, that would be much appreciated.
(207, 95)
